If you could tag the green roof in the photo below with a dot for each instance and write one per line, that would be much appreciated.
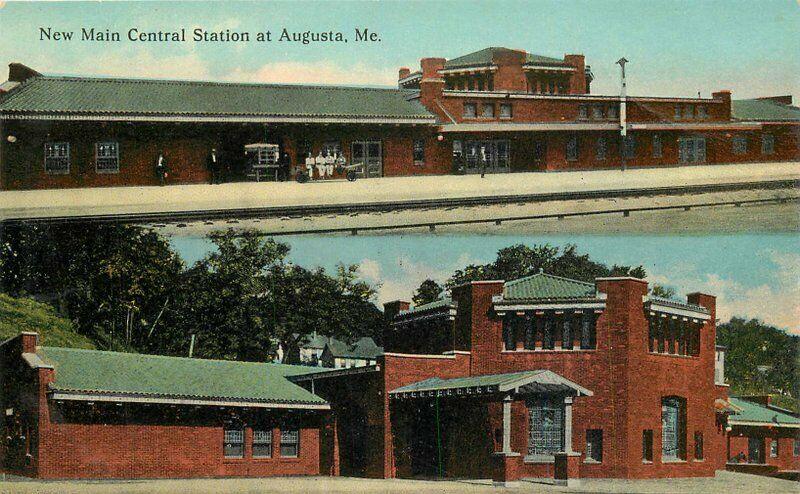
(430, 306)
(364, 348)
(485, 57)
(142, 97)
(763, 110)
(757, 413)
(543, 286)
(102, 372)
(540, 378)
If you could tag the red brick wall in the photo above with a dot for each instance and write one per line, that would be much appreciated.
(737, 442)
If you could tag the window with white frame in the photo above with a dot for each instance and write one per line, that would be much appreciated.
(290, 443)
(506, 110)
(487, 110)
(767, 144)
(234, 443)
(594, 445)
(262, 443)
(572, 148)
(106, 157)
(773, 447)
(602, 149)
(56, 158)
(673, 428)
(657, 148)
(545, 426)
(418, 151)
(470, 110)
(739, 145)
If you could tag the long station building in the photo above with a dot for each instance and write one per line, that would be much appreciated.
(496, 110)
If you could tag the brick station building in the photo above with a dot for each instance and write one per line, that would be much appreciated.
(495, 110)
(539, 377)
(73, 413)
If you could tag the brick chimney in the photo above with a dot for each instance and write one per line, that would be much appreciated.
(432, 83)
(403, 73)
(18, 72)
(724, 96)
(29, 341)
(391, 309)
(577, 83)
(509, 75)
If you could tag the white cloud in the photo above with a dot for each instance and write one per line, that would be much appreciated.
(775, 303)
(319, 72)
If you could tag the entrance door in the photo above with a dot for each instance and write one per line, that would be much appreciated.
(755, 450)
(487, 156)
(692, 149)
(368, 154)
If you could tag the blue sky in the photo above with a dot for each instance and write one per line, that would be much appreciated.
(751, 275)
(675, 47)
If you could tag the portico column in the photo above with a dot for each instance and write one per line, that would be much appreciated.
(568, 424)
(507, 423)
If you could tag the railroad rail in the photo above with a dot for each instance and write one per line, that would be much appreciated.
(172, 217)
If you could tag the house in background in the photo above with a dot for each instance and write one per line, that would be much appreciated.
(342, 355)
(763, 438)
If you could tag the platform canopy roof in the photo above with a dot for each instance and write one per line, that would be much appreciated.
(93, 375)
(485, 57)
(758, 415)
(102, 98)
(526, 382)
(764, 110)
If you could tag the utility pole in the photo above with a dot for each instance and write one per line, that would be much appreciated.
(191, 346)
(623, 117)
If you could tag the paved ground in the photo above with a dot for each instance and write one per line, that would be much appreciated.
(117, 200)
(759, 218)
(723, 483)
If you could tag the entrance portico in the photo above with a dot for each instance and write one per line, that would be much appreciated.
(462, 405)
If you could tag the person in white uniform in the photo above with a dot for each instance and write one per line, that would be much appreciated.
(310, 165)
(330, 160)
(320, 162)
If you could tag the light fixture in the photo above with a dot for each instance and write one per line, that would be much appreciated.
(11, 139)
(440, 138)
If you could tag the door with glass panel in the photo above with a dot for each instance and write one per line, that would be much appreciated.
(692, 149)
(487, 156)
(368, 156)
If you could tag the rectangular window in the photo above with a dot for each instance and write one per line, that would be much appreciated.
(530, 333)
(106, 157)
(629, 145)
(509, 340)
(470, 110)
(583, 112)
(657, 150)
(692, 149)
(647, 445)
(597, 112)
(548, 342)
(767, 144)
(688, 112)
(678, 115)
(702, 113)
(419, 151)
(602, 148)
(506, 110)
(594, 445)
(796, 444)
(487, 110)
(262, 444)
(773, 447)
(332, 148)
(566, 333)
(698, 445)
(234, 443)
(572, 148)
(740, 145)
(673, 427)
(587, 331)
(56, 158)
(613, 112)
(545, 426)
(290, 443)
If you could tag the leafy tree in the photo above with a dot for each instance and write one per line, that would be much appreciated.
(428, 291)
(520, 260)
(662, 291)
(112, 281)
(760, 359)
(245, 298)
(23, 314)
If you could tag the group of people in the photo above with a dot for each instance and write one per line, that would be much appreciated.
(325, 165)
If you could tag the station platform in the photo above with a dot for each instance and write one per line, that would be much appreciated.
(270, 198)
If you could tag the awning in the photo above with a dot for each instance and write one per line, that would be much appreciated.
(527, 382)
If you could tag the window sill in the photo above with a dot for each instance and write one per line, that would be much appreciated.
(539, 459)
(673, 461)
(658, 354)
(101, 172)
(592, 462)
(647, 462)
(554, 350)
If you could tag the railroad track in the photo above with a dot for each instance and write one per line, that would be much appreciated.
(172, 217)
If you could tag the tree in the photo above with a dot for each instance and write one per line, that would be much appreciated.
(112, 281)
(520, 260)
(760, 359)
(427, 292)
(245, 298)
(662, 291)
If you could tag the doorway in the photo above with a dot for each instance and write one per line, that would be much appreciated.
(369, 155)
(755, 450)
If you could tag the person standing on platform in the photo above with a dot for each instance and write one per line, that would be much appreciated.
(214, 167)
(161, 169)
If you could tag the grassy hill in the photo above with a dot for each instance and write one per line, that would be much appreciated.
(22, 314)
